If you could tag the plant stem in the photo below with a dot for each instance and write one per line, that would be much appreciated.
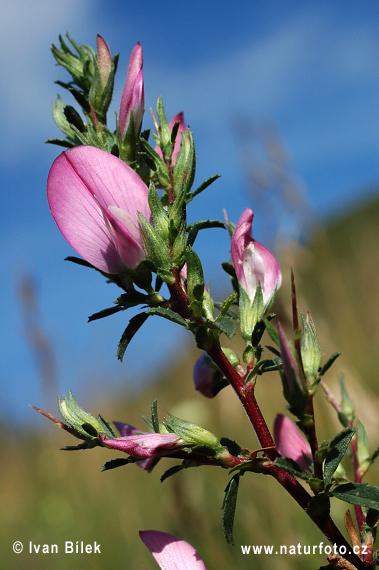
(245, 393)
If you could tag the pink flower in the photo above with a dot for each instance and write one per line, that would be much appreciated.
(252, 262)
(133, 96)
(170, 552)
(179, 118)
(144, 445)
(290, 442)
(205, 374)
(95, 198)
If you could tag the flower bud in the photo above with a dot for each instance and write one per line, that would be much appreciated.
(133, 96)
(290, 443)
(310, 349)
(257, 272)
(207, 376)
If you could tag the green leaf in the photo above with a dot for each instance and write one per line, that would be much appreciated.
(292, 467)
(105, 313)
(225, 306)
(194, 228)
(154, 416)
(318, 506)
(223, 324)
(168, 314)
(272, 332)
(113, 463)
(337, 449)
(134, 325)
(358, 494)
(229, 508)
(329, 363)
(203, 186)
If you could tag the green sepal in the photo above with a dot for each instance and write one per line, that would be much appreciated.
(347, 414)
(155, 163)
(192, 433)
(134, 325)
(164, 134)
(336, 451)
(311, 353)
(358, 494)
(185, 166)
(157, 250)
(161, 222)
(229, 507)
(83, 422)
(363, 448)
(195, 282)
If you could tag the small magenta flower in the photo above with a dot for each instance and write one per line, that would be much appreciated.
(290, 443)
(170, 552)
(252, 262)
(207, 377)
(133, 96)
(258, 274)
(95, 199)
(145, 445)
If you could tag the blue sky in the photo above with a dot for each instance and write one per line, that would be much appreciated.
(308, 68)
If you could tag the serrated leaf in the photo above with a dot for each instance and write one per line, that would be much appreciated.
(337, 450)
(172, 471)
(203, 186)
(168, 314)
(224, 324)
(154, 416)
(229, 508)
(292, 467)
(329, 363)
(105, 313)
(194, 229)
(134, 325)
(358, 494)
(113, 463)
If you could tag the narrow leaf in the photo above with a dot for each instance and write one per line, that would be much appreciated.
(168, 314)
(229, 508)
(358, 494)
(113, 463)
(134, 325)
(337, 449)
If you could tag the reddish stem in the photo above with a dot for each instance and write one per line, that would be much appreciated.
(245, 393)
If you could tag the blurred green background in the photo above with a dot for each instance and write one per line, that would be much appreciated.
(49, 496)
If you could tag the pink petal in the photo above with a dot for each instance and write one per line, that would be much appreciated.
(144, 445)
(83, 182)
(170, 552)
(290, 442)
(253, 262)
